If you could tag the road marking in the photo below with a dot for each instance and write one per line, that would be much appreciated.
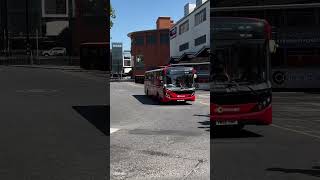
(296, 131)
(205, 96)
(112, 130)
(207, 104)
(135, 85)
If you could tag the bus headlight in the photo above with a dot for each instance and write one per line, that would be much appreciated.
(262, 104)
(167, 93)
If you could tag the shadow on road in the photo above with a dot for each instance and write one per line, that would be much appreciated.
(204, 124)
(315, 171)
(232, 133)
(150, 101)
(98, 116)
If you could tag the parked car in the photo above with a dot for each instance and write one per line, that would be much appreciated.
(56, 51)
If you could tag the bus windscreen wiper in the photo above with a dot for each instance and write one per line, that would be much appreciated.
(237, 84)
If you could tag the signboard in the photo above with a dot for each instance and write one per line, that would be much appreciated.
(298, 37)
(173, 33)
(300, 78)
(55, 8)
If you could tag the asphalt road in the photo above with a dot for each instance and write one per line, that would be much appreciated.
(52, 125)
(288, 149)
(152, 141)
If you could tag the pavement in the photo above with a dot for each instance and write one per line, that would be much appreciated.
(53, 125)
(49, 67)
(288, 149)
(152, 141)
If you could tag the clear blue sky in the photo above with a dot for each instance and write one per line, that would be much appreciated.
(136, 15)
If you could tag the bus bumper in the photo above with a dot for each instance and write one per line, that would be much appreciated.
(167, 99)
(263, 117)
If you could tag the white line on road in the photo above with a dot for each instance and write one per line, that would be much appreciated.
(132, 84)
(296, 131)
(112, 130)
(207, 104)
(205, 96)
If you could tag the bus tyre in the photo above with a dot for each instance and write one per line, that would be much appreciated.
(159, 99)
(238, 127)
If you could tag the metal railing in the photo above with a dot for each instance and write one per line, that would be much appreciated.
(40, 60)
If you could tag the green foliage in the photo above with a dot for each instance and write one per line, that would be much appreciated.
(112, 16)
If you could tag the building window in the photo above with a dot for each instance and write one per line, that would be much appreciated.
(139, 61)
(300, 18)
(200, 17)
(164, 38)
(184, 27)
(127, 63)
(200, 40)
(151, 39)
(184, 47)
(139, 40)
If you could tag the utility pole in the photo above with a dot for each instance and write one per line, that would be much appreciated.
(5, 26)
(28, 48)
(70, 14)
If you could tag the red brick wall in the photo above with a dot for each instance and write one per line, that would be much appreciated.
(164, 23)
(154, 55)
(88, 28)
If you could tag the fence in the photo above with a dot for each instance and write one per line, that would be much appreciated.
(41, 60)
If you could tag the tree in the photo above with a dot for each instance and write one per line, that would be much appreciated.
(112, 16)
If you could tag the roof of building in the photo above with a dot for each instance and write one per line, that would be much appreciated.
(145, 31)
(184, 17)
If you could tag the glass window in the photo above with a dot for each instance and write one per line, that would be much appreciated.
(127, 63)
(184, 46)
(200, 40)
(184, 27)
(200, 17)
(139, 40)
(151, 39)
(164, 38)
(139, 61)
(304, 17)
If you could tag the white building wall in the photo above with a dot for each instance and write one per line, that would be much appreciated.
(193, 32)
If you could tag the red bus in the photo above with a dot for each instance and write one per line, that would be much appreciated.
(170, 84)
(240, 91)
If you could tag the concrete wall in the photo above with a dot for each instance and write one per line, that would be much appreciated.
(193, 32)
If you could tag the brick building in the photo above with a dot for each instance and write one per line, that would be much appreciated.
(150, 48)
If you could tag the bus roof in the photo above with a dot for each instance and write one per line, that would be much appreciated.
(167, 67)
(188, 64)
(100, 44)
(265, 7)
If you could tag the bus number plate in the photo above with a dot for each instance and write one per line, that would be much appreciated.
(179, 96)
(222, 123)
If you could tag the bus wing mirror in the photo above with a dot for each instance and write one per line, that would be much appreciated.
(272, 46)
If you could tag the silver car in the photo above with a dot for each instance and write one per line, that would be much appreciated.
(56, 51)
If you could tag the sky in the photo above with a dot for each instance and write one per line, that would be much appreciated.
(137, 15)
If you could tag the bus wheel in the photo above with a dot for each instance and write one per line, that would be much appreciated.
(159, 99)
(238, 127)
